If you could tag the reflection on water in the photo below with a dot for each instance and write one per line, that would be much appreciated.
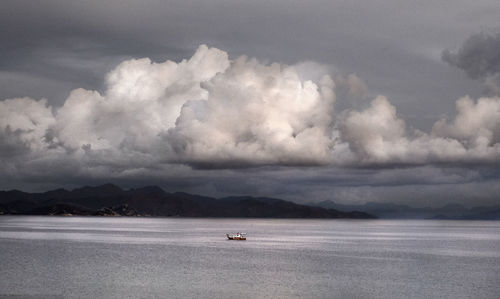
(178, 257)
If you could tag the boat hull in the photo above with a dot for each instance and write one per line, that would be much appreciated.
(236, 238)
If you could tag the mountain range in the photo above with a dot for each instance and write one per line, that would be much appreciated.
(399, 211)
(111, 200)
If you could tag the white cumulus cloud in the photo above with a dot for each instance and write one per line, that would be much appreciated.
(213, 112)
(378, 136)
(257, 114)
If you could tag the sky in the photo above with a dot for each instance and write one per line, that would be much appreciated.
(352, 101)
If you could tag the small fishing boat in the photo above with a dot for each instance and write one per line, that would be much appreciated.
(237, 236)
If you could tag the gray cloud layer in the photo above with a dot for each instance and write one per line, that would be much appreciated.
(479, 58)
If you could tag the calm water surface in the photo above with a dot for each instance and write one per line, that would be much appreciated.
(87, 257)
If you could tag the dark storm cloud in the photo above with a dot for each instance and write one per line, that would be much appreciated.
(479, 56)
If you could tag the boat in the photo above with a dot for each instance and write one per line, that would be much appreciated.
(237, 236)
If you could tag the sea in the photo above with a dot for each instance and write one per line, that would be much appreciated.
(133, 257)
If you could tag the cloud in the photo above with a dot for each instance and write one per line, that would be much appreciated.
(23, 125)
(213, 112)
(143, 100)
(479, 58)
(256, 114)
(377, 136)
(476, 127)
(352, 84)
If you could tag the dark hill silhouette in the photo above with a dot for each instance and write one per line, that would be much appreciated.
(111, 200)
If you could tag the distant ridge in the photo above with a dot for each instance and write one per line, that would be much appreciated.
(111, 200)
(398, 211)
